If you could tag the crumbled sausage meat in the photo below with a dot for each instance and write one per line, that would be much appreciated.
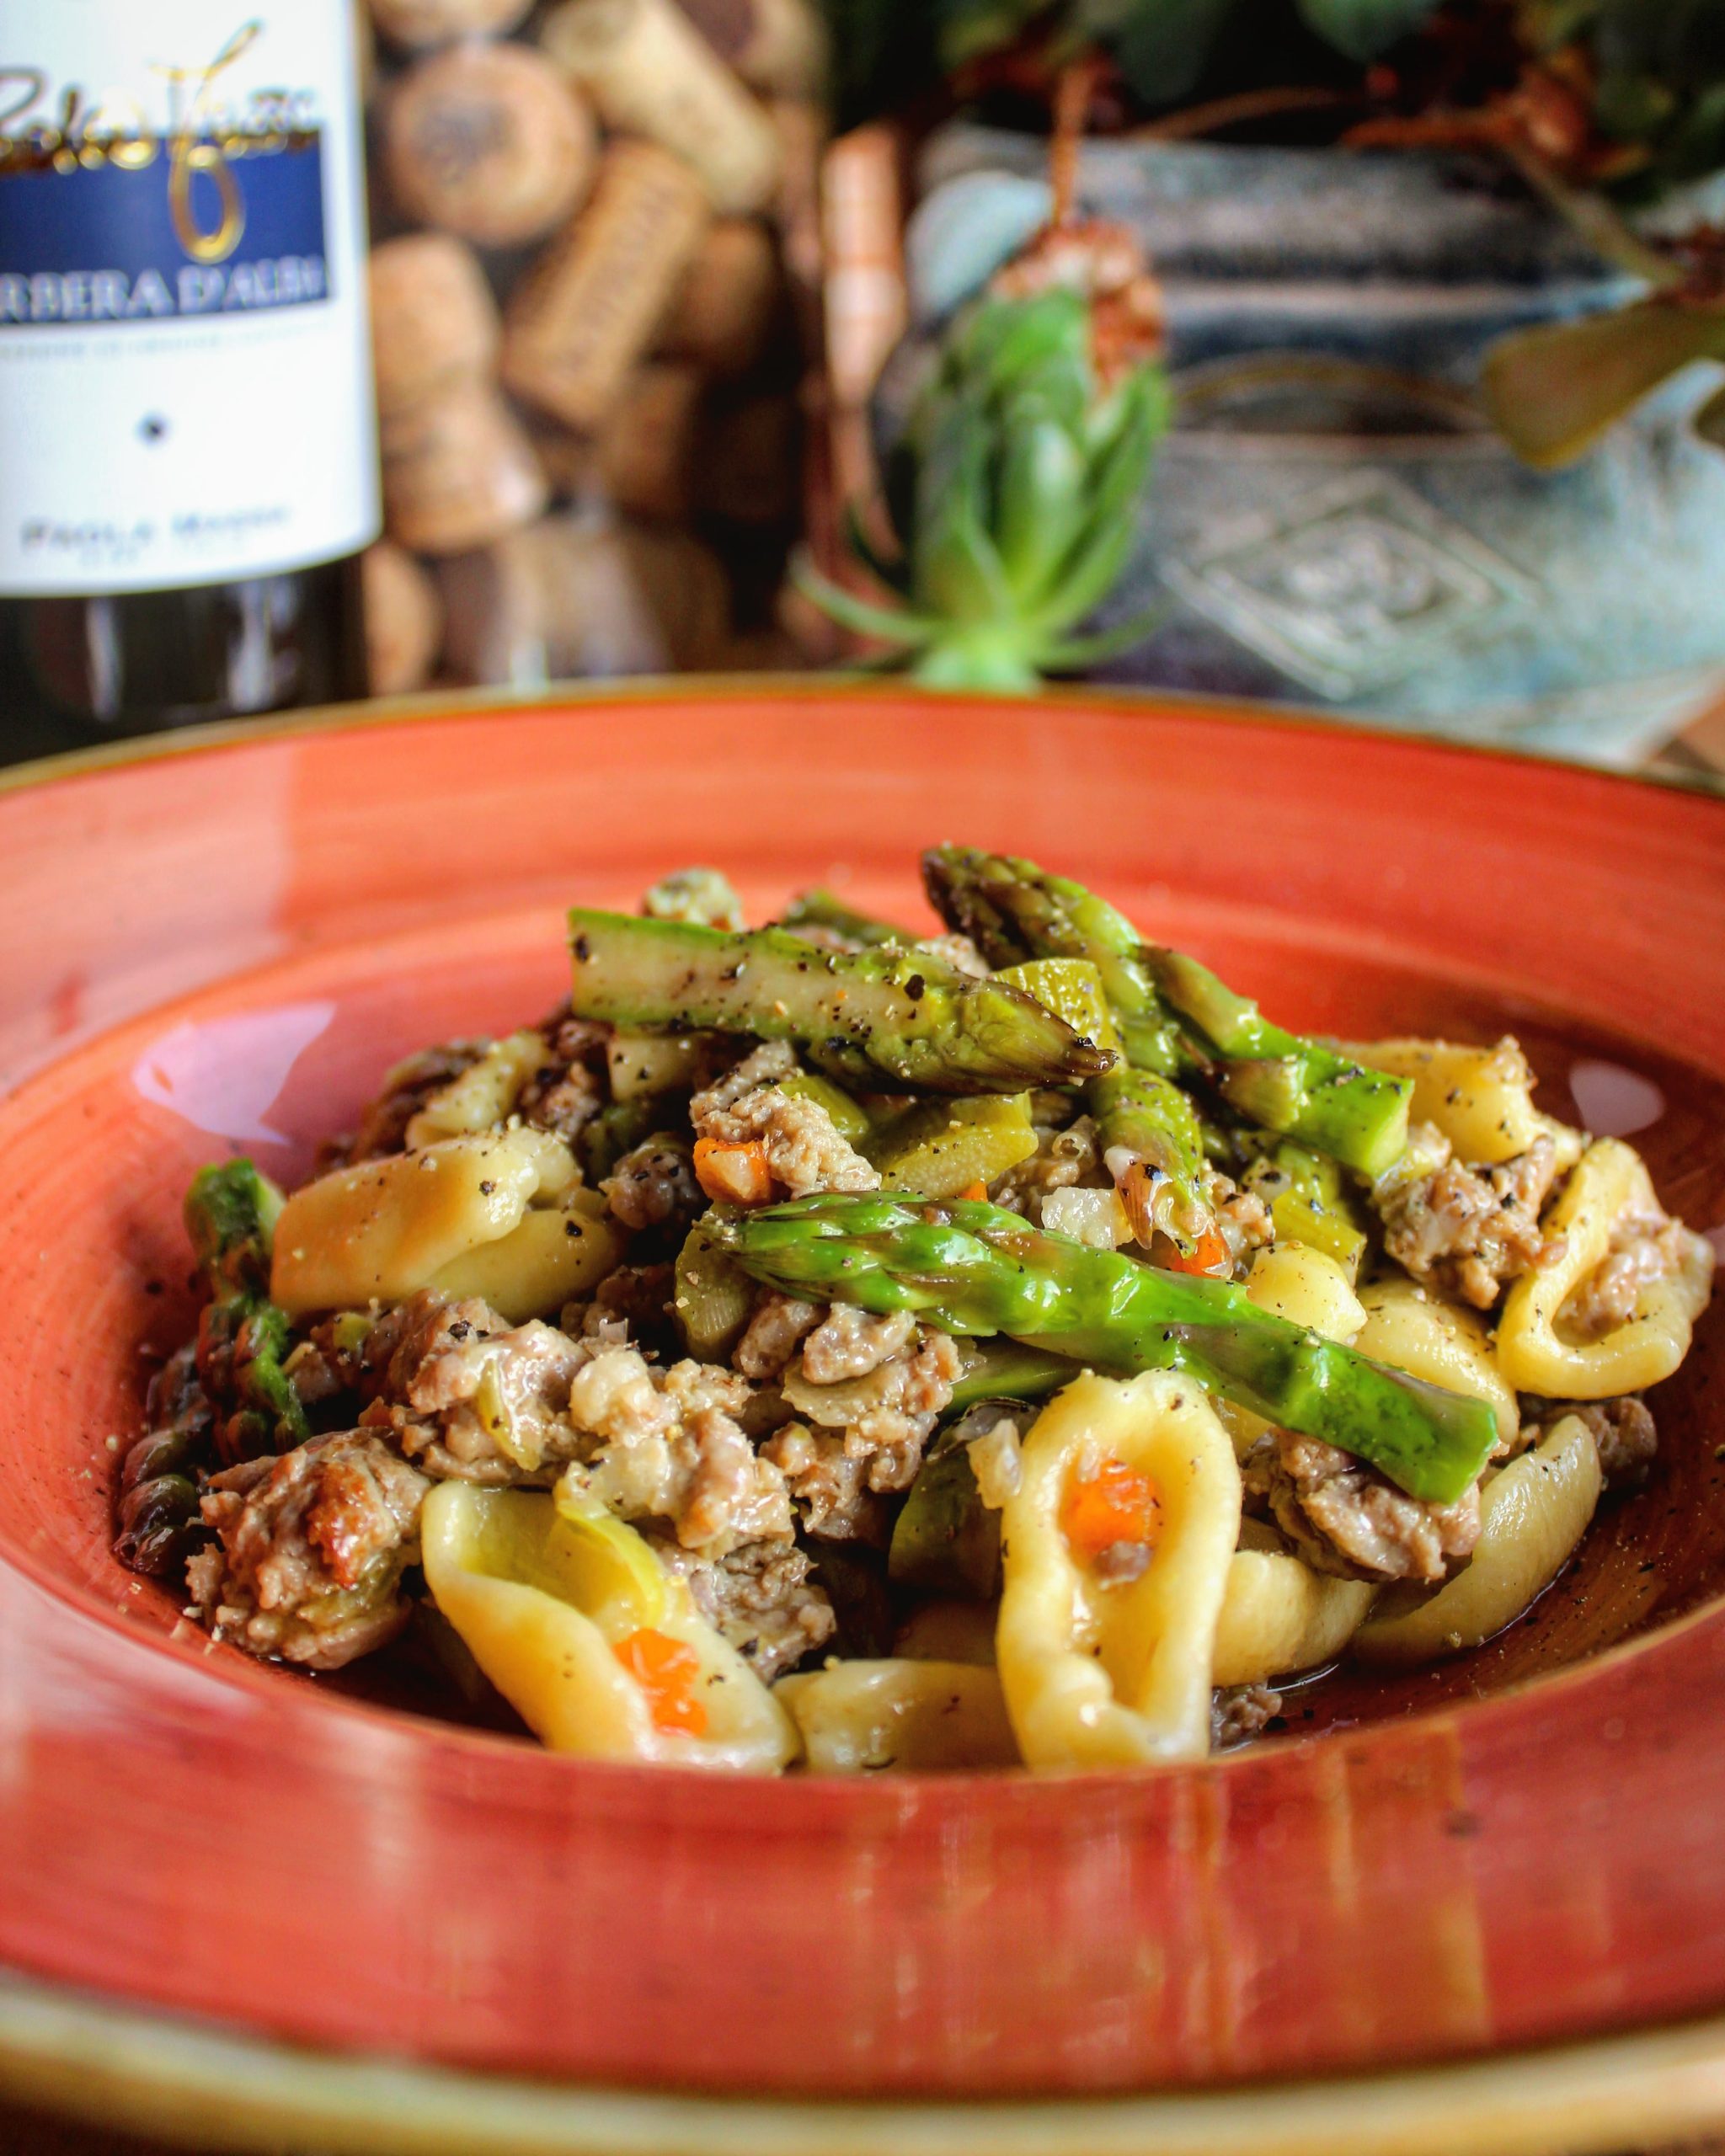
(311, 1550)
(779, 1326)
(851, 1343)
(571, 1086)
(1645, 1247)
(1064, 1160)
(829, 1484)
(654, 1185)
(469, 1396)
(804, 1148)
(887, 1414)
(670, 1446)
(1623, 1429)
(1240, 1712)
(759, 1599)
(1344, 1518)
(1466, 1230)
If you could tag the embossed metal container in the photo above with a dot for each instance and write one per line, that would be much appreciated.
(1333, 519)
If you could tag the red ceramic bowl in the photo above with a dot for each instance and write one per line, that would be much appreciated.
(221, 945)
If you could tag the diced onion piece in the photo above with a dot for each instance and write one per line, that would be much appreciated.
(1096, 1217)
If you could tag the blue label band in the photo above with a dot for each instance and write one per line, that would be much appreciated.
(196, 232)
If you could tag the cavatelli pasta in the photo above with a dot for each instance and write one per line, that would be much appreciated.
(1279, 1617)
(599, 1650)
(1480, 1098)
(1539, 1352)
(1098, 1674)
(1532, 1515)
(380, 1231)
(1413, 1329)
(860, 1717)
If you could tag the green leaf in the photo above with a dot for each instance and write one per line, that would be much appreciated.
(970, 30)
(1364, 28)
(1553, 392)
(851, 612)
(956, 568)
(1041, 502)
(1161, 46)
(1076, 654)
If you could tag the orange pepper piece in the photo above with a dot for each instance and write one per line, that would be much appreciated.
(1209, 1254)
(665, 1669)
(975, 1192)
(734, 1174)
(1115, 1504)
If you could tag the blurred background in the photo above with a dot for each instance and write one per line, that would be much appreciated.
(1361, 355)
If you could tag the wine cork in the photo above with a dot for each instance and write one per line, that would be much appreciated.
(557, 601)
(435, 22)
(749, 461)
(587, 310)
(569, 460)
(434, 321)
(488, 141)
(684, 583)
(722, 314)
(776, 45)
(650, 72)
(803, 131)
(647, 448)
(403, 621)
(459, 472)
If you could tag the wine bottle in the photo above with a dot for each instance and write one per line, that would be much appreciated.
(188, 438)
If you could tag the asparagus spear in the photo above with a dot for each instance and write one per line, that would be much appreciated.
(1010, 907)
(1285, 1082)
(243, 1338)
(972, 1268)
(820, 909)
(1014, 911)
(897, 1017)
(1175, 1016)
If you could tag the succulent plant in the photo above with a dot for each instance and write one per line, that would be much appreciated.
(1014, 494)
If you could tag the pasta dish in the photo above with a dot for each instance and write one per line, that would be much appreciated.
(821, 1345)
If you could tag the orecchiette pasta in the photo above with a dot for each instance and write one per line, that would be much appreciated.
(1413, 1330)
(383, 1229)
(1308, 1288)
(1103, 1674)
(551, 1258)
(1610, 1183)
(599, 1650)
(1532, 1516)
(484, 1094)
(1481, 1098)
(1279, 1617)
(858, 1718)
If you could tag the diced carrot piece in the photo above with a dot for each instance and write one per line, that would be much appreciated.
(734, 1174)
(1209, 1254)
(975, 1192)
(665, 1669)
(1115, 1504)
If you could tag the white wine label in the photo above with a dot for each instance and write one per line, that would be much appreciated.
(185, 389)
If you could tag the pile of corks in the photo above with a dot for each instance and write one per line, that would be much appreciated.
(595, 279)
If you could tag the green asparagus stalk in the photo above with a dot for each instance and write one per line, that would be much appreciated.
(897, 1017)
(1287, 1083)
(1014, 911)
(243, 1338)
(967, 1267)
(820, 909)
(1175, 1017)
